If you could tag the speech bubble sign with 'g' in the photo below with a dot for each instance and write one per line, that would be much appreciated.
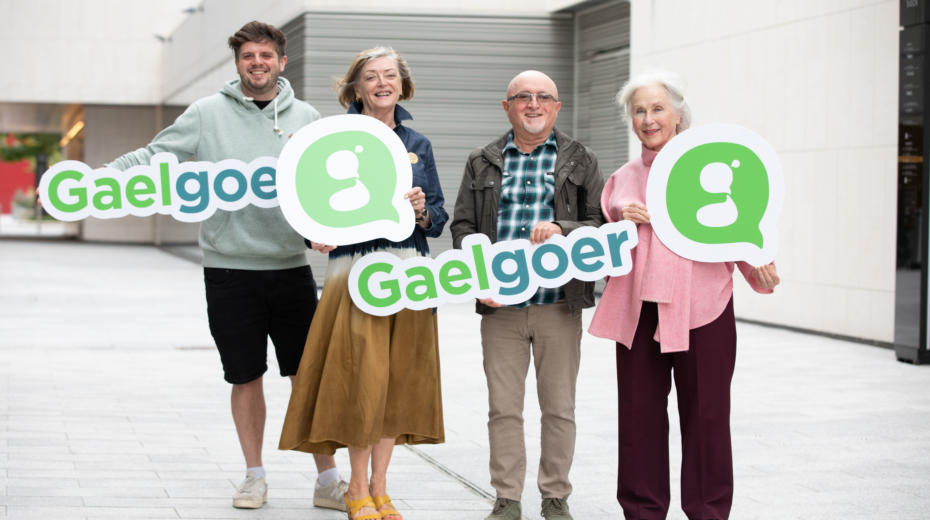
(714, 194)
(341, 180)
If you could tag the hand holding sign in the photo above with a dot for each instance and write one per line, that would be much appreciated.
(635, 212)
(765, 276)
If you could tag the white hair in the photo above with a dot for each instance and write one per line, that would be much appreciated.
(673, 84)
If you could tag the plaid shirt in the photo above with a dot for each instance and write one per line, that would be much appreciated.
(527, 190)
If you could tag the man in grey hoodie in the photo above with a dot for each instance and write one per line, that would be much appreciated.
(257, 279)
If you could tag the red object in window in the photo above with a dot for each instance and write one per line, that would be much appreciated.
(14, 177)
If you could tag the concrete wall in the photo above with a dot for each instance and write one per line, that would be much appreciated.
(819, 81)
(109, 132)
(92, 51)
(198, 59)
(106, 51)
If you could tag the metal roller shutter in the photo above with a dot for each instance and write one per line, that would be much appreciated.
(461, 66)
(603, 67)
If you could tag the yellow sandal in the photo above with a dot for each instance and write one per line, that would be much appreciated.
(354, 506)
(386, 508)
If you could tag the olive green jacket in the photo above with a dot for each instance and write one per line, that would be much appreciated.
(577, 199)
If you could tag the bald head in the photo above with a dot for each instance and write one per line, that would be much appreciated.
(533, 78)
(532, 115)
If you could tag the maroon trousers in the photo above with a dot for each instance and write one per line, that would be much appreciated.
(702, 380)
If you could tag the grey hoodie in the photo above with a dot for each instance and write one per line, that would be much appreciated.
(227, 126)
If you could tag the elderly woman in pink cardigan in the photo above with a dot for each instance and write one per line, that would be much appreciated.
(669, 315)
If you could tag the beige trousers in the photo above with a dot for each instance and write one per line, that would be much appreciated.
(552, 335)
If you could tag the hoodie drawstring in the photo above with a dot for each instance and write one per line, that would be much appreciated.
(276, 129)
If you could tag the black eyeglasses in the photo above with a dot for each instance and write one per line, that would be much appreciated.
(525, 97)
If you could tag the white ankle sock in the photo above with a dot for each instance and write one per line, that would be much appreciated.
(258, 470)
(327, 477)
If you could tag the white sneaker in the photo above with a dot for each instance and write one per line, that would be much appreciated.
(252, 493)
(331, 496)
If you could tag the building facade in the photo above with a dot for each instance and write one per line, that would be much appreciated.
(818, 80)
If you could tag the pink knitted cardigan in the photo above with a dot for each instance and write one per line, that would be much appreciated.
(688, 294)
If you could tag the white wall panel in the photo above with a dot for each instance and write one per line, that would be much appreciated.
(91, 51)
(819, 81)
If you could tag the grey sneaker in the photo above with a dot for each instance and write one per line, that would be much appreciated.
(505, 509)
(331, 496)
(252, 493)
(555, 509)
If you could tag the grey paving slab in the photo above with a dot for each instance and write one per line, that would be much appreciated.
(270, 511)
(75, 473)
(45, 512)
(112, 405)
(39, 482)
(60, 491)
(144, 502)
(131, 512)
(41, 501)
(31, 464)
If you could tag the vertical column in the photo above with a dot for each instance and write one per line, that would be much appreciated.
(913, 147)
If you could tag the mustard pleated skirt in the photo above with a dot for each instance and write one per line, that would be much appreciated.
(363, 378)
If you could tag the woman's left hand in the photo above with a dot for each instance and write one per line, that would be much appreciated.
(766, 276)
(417, 199)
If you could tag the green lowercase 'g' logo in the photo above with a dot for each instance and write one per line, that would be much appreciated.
(714, 194)
(717, 194)
(341, 180)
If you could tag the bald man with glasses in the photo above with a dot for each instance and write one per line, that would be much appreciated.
(531, 183)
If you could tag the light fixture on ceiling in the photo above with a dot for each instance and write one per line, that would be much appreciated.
(72, 133)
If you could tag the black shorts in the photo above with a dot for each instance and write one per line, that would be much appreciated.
(245, 307)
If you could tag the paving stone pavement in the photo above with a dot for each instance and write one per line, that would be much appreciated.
(112, 405)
